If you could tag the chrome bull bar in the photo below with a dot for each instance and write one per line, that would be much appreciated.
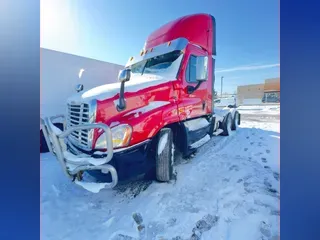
(73, 164)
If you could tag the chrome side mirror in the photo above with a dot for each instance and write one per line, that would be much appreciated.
(124, 75)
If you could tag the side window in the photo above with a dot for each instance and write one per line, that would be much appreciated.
(191, 69)
(194, 64)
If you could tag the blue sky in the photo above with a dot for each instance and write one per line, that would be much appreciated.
(248, 32)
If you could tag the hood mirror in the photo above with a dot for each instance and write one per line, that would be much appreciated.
(124, 75)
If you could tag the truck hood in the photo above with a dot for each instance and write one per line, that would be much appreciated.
(136, 83)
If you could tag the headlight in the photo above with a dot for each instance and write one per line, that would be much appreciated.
(121, 136)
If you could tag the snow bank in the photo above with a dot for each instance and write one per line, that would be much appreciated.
(260, 109)
(252, 101)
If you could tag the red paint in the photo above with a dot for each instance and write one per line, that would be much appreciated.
(199, 30)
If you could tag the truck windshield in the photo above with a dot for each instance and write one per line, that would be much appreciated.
(167, 64)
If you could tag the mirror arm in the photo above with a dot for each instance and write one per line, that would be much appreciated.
(191, 89)
(122, 103)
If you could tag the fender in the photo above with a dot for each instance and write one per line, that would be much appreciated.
(146, 121)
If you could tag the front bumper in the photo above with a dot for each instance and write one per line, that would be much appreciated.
(129, 162)
(72, 164)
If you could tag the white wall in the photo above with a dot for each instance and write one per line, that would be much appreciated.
(249, 101)
(59, 76)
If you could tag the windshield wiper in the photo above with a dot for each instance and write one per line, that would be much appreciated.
(144, 67)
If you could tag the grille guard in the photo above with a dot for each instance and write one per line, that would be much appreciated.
(73, 164)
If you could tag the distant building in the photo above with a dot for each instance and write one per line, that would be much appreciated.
(272, 90)
(267, 92)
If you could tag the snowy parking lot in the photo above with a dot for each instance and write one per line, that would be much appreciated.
(229, 190)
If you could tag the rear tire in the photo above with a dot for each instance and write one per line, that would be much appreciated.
(164, 155)
(227, 125)
(235, 122)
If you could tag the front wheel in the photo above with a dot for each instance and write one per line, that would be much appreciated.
(165, 155)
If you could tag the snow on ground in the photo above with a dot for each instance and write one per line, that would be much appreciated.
(260, 109)
(229, 190)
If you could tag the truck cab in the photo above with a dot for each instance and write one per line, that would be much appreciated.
(162, 104)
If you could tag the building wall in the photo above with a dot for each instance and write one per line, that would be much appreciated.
(60, 75)
(272, 85)
(250, 94)
(267, 92)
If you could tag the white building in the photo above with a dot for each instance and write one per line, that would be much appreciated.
(61, 72)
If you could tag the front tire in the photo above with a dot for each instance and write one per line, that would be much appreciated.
(164, 155)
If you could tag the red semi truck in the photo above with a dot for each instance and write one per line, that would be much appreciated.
(162, 104)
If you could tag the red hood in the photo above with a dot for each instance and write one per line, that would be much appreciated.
(138, 99)
(139, 104)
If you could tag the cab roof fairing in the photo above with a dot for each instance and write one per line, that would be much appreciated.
(199, 29)
(177, 44)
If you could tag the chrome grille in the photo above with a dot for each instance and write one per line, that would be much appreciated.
(77, 114)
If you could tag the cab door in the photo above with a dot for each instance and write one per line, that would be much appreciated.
(193, 104)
